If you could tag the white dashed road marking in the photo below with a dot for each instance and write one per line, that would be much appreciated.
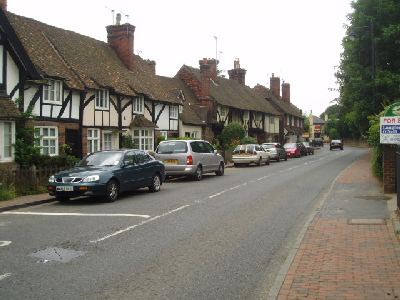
(71, 214)
(4, 276)
(140, 224)
(4, 243)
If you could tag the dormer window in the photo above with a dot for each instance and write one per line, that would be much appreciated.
(138, 105)
(52, 91)
(102, 99)
(173, 112)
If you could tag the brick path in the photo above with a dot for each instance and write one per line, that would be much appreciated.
(338, 260)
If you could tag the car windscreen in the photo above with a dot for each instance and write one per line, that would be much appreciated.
(101, 159)
(268, 146)
(306, 144)
(244, 149)
(172, 147)
(289, 145)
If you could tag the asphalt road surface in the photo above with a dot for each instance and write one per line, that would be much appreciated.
(220, 238)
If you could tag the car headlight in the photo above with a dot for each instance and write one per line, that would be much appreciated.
(91, 178)
(52, 179)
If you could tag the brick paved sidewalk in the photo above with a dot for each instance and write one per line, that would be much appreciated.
(339, 260)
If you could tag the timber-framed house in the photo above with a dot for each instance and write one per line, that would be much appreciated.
(86, 93)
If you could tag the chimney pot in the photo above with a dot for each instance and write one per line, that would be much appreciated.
(118, 19)
(237, 73)
(275, 86)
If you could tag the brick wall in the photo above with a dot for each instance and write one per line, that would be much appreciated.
(389, 169)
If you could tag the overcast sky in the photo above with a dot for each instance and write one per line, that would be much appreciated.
(299, 41)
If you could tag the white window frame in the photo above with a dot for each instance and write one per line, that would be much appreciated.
(53, 91)
(164, 134)
(287, 120)
(272, 120)
(4, 158)
(44, 140)
(138, 105)
(93, 140)
(173, 112)
(102, 99)
(180, 109)
(223, 112)
(143, 138)
(107, 144)
(194, 134)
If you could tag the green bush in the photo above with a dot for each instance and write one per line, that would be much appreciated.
(374, 141)
(248, 140)
(7, 193)
(231, 136)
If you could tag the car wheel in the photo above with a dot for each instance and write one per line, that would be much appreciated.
(221, 169)
(112, 191)
(62, 198)
(198, 175)
(259, 161)
(236, 165)
(268, 161)
(155, 184)
(286, 157)
(278, 159)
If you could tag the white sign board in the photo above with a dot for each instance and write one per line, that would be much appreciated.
(390, 130)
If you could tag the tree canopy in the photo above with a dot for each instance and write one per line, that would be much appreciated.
(369, 71)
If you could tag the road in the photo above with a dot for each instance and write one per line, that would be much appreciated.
(220, 238)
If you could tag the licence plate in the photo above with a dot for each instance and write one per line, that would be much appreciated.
(171, 161)
(64, 188)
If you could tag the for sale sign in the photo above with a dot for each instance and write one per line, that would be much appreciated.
(390, 130)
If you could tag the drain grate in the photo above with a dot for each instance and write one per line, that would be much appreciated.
(367, 222)
(57, 254)
(373, 197)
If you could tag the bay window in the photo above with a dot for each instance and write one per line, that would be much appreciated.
(143, 139)
(46, 138)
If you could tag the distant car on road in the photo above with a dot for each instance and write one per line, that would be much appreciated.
(317, 142)
(250, 153)
(310, 149)
(190, 157)
(292, 149)
(275, 151)
(107, 174)
(336, 144)
(303, 149)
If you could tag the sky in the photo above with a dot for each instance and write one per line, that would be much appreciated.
(298, 41)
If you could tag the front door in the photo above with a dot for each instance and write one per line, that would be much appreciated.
(73, 139)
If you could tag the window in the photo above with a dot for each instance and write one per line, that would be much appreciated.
(246, 115)
(143, 139)
(47, 139)
(287, 120)
(180, 109)
(271, 120)
(138, 105)
(102, 99)
(107, 141)
(93, 140)
(52, 91)
(223, 112)
(194, 134)
(173, 112)
(164, 134)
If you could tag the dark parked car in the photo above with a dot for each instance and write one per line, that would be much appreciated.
(310, 149)
(107, 174)
(303, 149)
(275, 151)
(336, 144)
(292, 149)
(317, 142)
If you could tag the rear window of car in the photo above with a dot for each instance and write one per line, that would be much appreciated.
(172, 147)
(336, 141)
(290, 145)
(244, 149)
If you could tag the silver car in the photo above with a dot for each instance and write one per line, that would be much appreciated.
(275, 151)
(189, 157)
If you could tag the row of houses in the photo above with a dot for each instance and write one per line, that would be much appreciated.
(89, 94)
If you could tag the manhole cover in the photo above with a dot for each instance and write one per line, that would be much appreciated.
(57, 254)
(374, 197)
(367, 222)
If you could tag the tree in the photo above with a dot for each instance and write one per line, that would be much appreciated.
(369, 71)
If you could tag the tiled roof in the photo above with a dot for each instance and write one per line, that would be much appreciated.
(229, 92)
(317, 120)
(284, 106)
(85, 62)
(8, 110)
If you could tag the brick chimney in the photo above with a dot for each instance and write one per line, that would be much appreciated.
(237, 73)
(121, 39)
(286, 92)
(275, 86)
(3, 5)
(152, 66)
(208, 70)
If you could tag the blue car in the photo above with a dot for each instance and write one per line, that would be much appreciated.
(107, 174)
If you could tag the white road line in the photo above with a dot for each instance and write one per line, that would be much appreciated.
(4, 276)
(227, 190)
(140, 224)
(4, 243)
(71, 214)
